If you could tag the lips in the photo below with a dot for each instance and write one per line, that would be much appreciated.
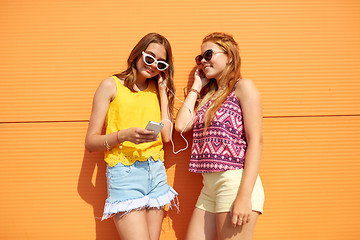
(206, 67)
(149, 70)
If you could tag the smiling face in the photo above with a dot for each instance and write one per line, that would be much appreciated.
(145, 71)
(217, 64)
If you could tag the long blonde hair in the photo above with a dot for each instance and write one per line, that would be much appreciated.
(227, 78)
(129, 75)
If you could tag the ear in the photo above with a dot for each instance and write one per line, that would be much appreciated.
(230, 59)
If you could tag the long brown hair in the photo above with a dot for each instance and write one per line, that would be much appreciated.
(129, 75)
(220, 89)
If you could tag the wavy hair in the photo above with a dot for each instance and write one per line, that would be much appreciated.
(129, 75)
(218, 90)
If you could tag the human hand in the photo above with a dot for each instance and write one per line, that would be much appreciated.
(241, 211)
(139, 135)
(162, 81)
(200, 79)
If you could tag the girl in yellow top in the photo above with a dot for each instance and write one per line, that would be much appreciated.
(125, 103)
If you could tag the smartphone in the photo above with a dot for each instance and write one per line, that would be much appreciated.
(154, 126)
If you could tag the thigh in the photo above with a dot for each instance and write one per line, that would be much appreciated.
(228, 187)
(225, 230)
(132, 225)
(154, 219)
(202, 226)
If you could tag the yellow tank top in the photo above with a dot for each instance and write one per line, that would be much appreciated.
(133, 109)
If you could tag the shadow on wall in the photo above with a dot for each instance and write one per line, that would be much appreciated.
(96, 193)
(187, 184)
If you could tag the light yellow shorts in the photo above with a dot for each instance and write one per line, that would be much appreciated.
(221, 188)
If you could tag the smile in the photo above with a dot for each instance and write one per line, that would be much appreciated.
(206, 67)
(149, 69)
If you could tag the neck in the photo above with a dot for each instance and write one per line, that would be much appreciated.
(141, 85)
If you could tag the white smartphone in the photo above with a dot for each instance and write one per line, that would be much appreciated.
(154, 126)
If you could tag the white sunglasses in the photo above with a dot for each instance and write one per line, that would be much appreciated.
(149, 60)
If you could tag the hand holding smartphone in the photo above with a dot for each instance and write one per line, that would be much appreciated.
(154, 126)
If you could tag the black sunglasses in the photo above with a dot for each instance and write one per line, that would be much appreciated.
(207, 55)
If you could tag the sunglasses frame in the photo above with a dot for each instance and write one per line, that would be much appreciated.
(144, 54)
(212, 52)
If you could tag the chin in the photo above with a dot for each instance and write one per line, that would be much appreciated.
(148, 75)
(209, 75)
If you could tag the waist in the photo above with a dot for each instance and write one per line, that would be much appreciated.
(129, 155)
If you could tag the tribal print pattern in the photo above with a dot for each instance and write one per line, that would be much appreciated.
(223, 146)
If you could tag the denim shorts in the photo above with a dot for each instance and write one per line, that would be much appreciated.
(140, 185)
(221, 188)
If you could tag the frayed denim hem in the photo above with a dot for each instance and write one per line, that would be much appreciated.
(170, 198)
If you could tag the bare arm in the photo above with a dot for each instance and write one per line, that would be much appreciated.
(250, 101)
(103, 96)
(185, 116)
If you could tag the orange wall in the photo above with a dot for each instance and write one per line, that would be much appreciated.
(302, 55)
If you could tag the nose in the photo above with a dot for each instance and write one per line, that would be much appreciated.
(153, 65)
(203, 60)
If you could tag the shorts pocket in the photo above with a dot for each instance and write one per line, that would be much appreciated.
(158, 170)
(117, 172)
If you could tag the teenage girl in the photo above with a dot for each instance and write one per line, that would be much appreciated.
(124, 104)
(227, 143)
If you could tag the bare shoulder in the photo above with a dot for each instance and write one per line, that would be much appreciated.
(107, 88)
(108, 83)
(245, 89)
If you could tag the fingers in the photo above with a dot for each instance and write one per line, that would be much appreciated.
(200, 78)
(162, 77)
(199, 73)
(162, 83)
(234, 221)
(239, 220)
(144, 140)
(143, 135)
(139, 135)
(246, 219)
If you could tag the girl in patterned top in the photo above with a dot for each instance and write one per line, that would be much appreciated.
(227, 143)
(124, 104)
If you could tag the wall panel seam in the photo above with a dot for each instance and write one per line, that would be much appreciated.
(265, 117)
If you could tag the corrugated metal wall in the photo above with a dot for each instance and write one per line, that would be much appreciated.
(302, 55)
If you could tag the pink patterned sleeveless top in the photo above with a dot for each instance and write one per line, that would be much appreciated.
(223, 146)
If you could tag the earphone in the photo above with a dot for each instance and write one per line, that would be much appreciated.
(172, 127)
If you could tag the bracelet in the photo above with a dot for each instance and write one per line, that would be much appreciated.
(195, 91)
(106, 145)
(117, 137)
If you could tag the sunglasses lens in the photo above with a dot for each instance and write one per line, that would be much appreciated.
(198, 59)
(208, 54)
(149, 60)
(161, 66)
